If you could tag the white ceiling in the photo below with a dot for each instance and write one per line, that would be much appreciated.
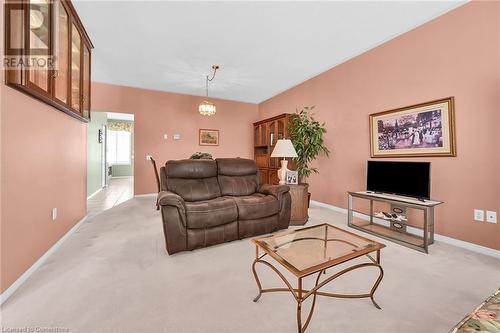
(119, 116)
(263, 48)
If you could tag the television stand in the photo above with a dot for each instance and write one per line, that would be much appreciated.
(395, 229)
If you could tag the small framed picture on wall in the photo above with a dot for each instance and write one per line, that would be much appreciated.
(292, 177)
(209, 137)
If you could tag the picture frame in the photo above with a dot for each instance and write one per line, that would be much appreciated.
(292, 177)
(208, 137)
(425, 129)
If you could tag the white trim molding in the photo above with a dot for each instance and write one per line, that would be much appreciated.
(90, 196)
(25, 276)
(445, 239)
(145, 195)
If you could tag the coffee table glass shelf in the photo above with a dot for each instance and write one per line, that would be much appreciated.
(313, 250)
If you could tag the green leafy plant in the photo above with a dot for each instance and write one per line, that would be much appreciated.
(306, 134)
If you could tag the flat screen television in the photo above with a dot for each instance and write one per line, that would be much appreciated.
(410, 179)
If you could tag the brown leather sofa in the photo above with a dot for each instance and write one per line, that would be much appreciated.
(207, 202)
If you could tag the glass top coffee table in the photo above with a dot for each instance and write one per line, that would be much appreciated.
(313, 250)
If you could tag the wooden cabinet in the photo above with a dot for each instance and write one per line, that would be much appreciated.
(61, 73)
(86, 82)
(76, 69)
(266, 133)
(48, 54)
(264, 176)
(260, 135)
(277, 128)
(39, 42)
(273, 176)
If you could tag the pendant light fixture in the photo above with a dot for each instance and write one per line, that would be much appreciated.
(207, 108)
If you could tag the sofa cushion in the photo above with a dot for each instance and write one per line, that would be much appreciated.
(237, 176)
(197, 238)
(191, 169)
(210, 213)
(256, 206)
(236, 166)
(194, 189)
(249, 228)
(193, 180)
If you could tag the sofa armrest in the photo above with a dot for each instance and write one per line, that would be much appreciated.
(167, 198)
(282, 194)
(276, 191)
(173, 213)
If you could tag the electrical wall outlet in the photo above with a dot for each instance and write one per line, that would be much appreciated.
(491, 216)
(148, 157)
(478, 215)
(54, 214)
(177, 136)
(165, 136)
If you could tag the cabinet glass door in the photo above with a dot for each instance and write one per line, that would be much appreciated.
(273, 138)
(262, 140)
(61, 50)
(281, 129)
(76, 49)
(14, 40)
(86, 82)
(272, 134)
(39, 44)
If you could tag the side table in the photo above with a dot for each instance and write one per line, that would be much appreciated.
(299, 204)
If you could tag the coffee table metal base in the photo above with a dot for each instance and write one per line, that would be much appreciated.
(301, 294)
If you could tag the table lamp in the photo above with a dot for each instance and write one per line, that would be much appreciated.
(284, 148)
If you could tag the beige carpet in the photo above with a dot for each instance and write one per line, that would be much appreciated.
(114, 275)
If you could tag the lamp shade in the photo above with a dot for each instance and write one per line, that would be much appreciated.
(284, 148)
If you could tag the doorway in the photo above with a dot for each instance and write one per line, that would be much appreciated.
(110, 160)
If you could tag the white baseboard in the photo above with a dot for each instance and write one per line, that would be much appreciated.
(90, 196)
(13, 287)
(445, 239)
(145, 195)
(117, 177)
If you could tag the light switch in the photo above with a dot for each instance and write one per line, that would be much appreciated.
(478, 215)
(491, 216)
(165, 136)
(54, 214)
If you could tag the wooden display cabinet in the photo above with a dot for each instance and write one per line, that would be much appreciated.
(49, 32)
(266, 133)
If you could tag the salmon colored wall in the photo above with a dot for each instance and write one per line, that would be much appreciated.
(157, 113)
(457, 54)
(43, 165)
(43, 156)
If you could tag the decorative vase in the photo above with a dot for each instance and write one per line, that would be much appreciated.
(282, 172)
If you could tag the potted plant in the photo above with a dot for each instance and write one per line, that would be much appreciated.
(306, 134)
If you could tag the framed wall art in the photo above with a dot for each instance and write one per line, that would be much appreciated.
(209, 137)
(426, 129)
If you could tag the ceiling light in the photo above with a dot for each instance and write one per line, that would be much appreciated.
(207, 108)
